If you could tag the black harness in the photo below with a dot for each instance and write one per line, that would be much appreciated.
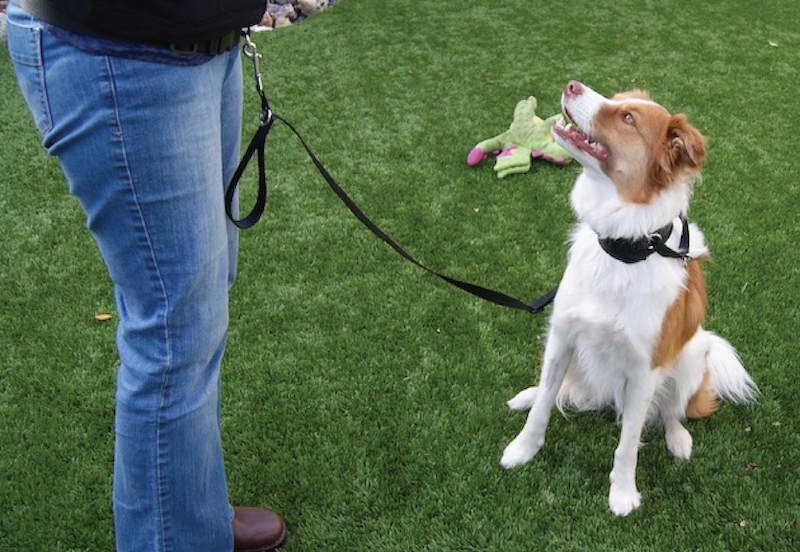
(633, 251)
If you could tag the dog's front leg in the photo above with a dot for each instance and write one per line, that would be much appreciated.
(557, 356)
(638, 394)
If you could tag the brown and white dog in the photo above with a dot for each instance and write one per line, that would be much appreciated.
(625, 331)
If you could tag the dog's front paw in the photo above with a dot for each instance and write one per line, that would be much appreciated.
(519, 451)
(623, 501)
(523, 400)
(679, 442)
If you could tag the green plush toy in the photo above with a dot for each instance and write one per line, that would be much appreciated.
(527, 138)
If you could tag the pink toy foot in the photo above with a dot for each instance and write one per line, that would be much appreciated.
(475, 156)
(536, 154)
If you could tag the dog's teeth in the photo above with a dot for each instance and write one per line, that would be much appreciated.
(568, 126)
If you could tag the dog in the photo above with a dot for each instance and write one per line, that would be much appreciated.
(626, 327)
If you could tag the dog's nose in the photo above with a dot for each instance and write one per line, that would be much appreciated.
(574, 88)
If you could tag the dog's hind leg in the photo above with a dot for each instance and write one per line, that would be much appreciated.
(523, 400)
(687, 379)
(557, 357)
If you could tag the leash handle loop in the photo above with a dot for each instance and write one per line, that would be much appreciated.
(257, 145)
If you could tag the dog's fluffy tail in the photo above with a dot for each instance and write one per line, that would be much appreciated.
(726, 375)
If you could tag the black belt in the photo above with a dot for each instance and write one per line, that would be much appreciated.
(211, 47)
(45, 10)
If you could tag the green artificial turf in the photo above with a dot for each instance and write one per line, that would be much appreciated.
(364, 399)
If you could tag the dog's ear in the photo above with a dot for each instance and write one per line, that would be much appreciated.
(683, 150)
(685, 145)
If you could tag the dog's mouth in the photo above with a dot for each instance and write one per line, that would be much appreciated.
(580, 140)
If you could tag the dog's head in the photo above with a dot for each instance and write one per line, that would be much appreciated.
(636, 143)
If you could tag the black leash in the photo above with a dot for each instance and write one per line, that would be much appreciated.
(258, 146)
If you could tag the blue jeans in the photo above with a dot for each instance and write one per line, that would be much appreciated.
(147, 147)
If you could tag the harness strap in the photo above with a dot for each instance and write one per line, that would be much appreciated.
(683, 247)
(633, 251)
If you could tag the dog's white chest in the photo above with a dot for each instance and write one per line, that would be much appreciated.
(611, 311)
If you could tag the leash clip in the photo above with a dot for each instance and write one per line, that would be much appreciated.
(250, 51)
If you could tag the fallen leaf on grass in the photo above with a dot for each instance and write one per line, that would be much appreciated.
(103, 317)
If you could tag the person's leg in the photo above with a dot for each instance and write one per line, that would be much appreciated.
(147, 148)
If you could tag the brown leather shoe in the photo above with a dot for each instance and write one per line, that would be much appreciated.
(257, 530)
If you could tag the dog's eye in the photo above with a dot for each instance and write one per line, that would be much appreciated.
(628, 119)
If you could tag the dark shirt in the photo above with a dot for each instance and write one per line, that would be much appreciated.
(148, 21)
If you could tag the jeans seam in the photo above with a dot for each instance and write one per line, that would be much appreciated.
(38, 64)
(119, 135)
(48, 125)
